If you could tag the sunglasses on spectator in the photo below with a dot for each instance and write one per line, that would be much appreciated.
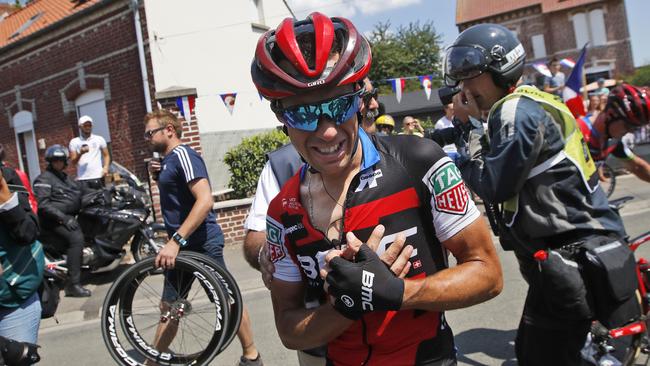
(149, 134)
(305, 117)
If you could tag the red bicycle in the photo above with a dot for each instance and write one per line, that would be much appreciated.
(622, 346)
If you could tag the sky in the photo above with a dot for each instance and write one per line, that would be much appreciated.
(365, 14)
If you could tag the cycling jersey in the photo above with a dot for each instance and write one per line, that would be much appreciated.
(409, 185)
(600, 150)
(554, 204)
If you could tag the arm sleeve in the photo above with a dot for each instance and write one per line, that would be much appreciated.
(518, 137)
(102, 142)
(72, 146)
(285, 268)
(623, 151)
(267, 189)
(46, 210)
(20, 221)
(191, 165)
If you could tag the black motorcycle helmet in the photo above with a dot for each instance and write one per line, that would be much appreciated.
(485, 47)
(56, 152)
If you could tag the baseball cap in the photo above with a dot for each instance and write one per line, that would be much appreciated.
(85, 119)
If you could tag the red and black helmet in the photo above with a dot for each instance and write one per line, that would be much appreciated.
(629, 103)
(279, 69)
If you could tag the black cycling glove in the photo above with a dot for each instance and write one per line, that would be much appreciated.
(364, 285)
(71, 224)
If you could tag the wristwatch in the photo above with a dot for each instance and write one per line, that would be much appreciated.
(179, 240)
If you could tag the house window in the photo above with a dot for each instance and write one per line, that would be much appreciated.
(590, 27)
(26, 25)
(539, 47)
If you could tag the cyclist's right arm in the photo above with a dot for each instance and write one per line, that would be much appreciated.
(638, 167)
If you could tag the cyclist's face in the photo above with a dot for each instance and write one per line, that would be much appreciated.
(329, 148)
(618, 128)
(483, 89)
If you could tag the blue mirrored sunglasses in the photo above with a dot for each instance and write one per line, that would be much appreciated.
(305, 117)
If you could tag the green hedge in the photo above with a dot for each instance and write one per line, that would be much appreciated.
(246, 160)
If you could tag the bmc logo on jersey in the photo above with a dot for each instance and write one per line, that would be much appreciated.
(450, 192)
(274, 241)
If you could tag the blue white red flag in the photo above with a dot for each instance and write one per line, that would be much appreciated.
(425, 80)
(186, 106)
(398, 86)
(568, 63)
(571, 92)
(229, 100)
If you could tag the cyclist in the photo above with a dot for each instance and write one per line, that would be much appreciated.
(59, 202)
(627, 109)
(538, 172)
(385, 125)
(351, 183)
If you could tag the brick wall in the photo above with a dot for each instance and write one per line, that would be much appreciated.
(232, 220)
(101, 43)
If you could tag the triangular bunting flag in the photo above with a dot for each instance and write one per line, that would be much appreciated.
(568, 63)
(229, 101)
(398, 86)
(426, 84)
(186, 106)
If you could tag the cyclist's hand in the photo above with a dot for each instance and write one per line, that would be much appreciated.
(166, 258)
(266, 267)
(363, 286)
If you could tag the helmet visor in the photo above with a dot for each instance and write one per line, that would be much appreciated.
(463, 62)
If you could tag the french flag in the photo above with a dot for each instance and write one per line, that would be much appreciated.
(186, 106)
(571, 92)
(426, 84)
(398, 86)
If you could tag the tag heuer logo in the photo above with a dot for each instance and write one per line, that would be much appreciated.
(273, 233)
(449, 190)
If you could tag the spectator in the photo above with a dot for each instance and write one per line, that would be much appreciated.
(411, 126)
(594, 105)
(18, 180)
(186, 205)
(555, 83)
(602, 89)
(59, 202)
(446, 122)
(88, 152)
(22, 263)
(603, 102)
(385, 125)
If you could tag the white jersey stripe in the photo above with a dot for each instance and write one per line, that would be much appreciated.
(185, 162)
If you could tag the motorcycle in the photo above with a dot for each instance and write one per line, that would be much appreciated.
(111, 219)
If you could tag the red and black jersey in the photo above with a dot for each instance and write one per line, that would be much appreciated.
(409, 185)
(600, 150)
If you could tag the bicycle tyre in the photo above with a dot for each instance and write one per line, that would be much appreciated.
(231, 288)
(118, 308)
(141, 249)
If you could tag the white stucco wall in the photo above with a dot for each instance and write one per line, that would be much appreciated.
(209, 45)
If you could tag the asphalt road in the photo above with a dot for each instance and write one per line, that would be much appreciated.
(484, 333)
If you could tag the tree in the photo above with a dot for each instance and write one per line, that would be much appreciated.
(411, 50)
(641, 76)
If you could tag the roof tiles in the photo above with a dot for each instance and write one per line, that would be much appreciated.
(52, 12)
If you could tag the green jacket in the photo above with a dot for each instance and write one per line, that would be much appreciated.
(22, 267)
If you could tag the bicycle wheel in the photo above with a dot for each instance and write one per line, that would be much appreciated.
(231, 288)
(601, 347)
(608, 181)
(195, 316)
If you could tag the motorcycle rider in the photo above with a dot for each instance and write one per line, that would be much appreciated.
(532, 163)
(59, 201)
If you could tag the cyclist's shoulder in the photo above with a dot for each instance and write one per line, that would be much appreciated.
(414, 153)
(287, 199)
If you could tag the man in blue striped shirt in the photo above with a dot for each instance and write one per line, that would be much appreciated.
(186, 204)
